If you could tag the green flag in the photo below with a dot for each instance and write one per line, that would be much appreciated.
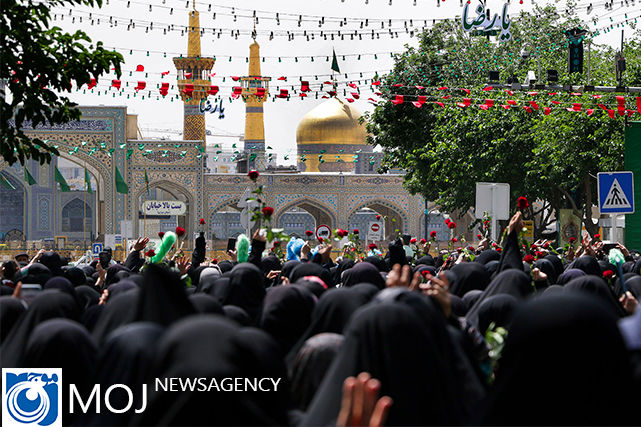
(121, 185)
(57, 176)
(335, 63)
(88, 182)
(6, 183)
(147, 182)
(28, 178)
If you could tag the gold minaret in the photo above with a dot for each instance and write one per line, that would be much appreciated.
(193, 81)
(255, 92)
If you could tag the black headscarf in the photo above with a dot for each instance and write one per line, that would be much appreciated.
(312, 285)
(162, 297)
(63, 284)
(209, 346)
(498, 309)
(87, 296)
(337, 271)
(511, 282)
(286, 314)
(10, 311)
(52, 261)
(225, 266)
(115, 273)
(37, 273)
(565, 352)
(288, 267)
(379, 263)
(569, 274)
(237, 314)
(426, 260)
(333, 311)
(310, 269)
(204, 303)
(588, 264)
(49, 304)
(244, 289)
(557, 263)
(76, 276)
(390, 341)
(125, 358)
(270, 263)
(310, 366)
(547, 267)
(120, 287)
(486, 256)
(118, 311)
(469, 276)
(633, 284)
(363, 272)
(471, 297)
(597, 287)
(66, 344)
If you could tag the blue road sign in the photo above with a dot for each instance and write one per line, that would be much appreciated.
(96, 248)
(616, 192)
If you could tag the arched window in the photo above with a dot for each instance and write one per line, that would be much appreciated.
(11, 206)
(73, 214)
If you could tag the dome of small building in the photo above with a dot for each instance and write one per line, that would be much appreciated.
(331, 130)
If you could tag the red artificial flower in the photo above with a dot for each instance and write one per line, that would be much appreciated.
(499, 249)
(597, 236)
(276, 243)
(522, 203)
(161, 234)
(528, 258)
(355, 231)
(253, 175)
(150, 253)
(378, 217)
(447, 221)
(470, 248)
(425, 273)
(433, 234)
(202, 221)
(494, 244)
(546, 245)
(214, 261)
(372, 246)
(320, 239)
(608, 274)
(451, 225)
(539, 254)
(459, 250)
(454, 239)
(309, 233)
(572, 240)
(478, 236)
(413, 240)
(268, 211)
(180, 231)
(423, 241)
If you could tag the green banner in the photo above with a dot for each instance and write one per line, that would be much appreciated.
(633, 163)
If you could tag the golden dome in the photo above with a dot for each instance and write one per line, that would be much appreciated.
(329, 136)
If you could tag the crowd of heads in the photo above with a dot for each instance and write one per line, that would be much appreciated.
(477, 338)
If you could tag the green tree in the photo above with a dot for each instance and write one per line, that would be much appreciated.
(38, 64)
(445, 151)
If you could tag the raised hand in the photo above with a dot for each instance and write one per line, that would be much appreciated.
(438, 287)
(516, 223)
(183, 265)
(140, 243)
(360, 405)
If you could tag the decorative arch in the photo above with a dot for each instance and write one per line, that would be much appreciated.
(171, 187)
(11, 210)
(74, 213)
(388, 209)
(321, 212)
(229, 227)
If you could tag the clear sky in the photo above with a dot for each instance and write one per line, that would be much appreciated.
(164, 118)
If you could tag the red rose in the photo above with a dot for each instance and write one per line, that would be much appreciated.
(214, 261)
(546, 245)
(451, 225)
(433, 234)
(522, 203)
(597, 236)
(372, 246)
(355, 231)
(268, 211)
(309, 233)
(425, 273)
(378, 217)
(572, 240)
(478, 236)
(276, 243)
(454, 239)
(253, 175)
(470, 248)
(423, 241)
(499, 250)
(608, 274)
(494, 244)
(528, 258)
(320, 239)
(180, 231)
(539, 254)
(202, 221)
(150, 253)
(459, 250)
(161, 234)
(413, 241)
(447, 221)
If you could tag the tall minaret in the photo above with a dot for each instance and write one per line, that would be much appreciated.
(255, 92)
(193, 81)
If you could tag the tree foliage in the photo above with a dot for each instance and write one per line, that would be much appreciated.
(38, 63)
(552, 158)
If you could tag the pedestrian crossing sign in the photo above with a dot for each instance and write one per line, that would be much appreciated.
(616, 192)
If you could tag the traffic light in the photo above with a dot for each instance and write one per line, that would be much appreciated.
(575, 49)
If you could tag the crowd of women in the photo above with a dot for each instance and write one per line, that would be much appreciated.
(388, 339)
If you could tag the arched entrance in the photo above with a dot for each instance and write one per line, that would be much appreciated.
(224, 222)
(392, 216)
(12, 213)
(302, 215)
